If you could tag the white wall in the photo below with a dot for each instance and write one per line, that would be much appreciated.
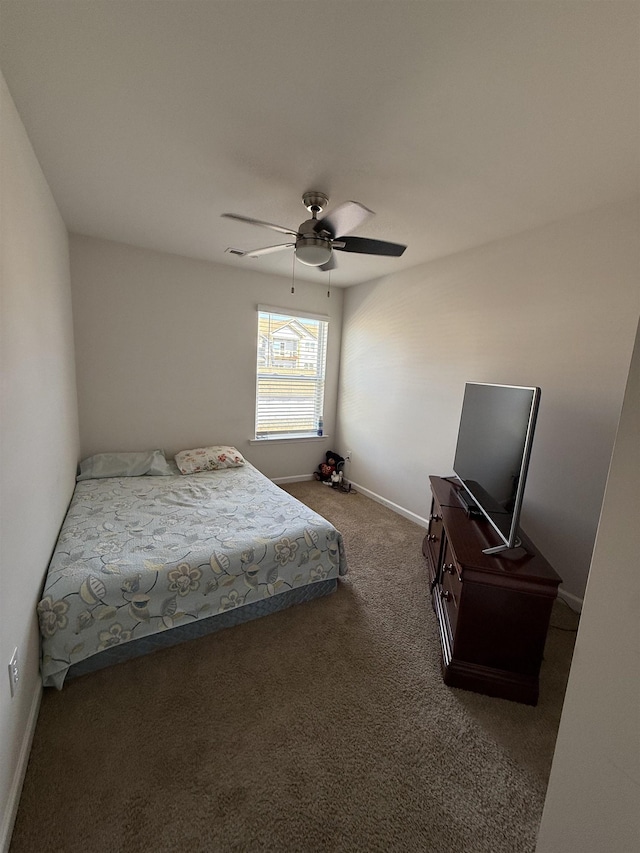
(555, 307)
(38, 427)
(166, 351)
(593, 798)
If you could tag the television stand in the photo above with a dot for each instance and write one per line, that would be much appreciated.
(493, 610)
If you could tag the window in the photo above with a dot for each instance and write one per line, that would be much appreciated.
(292, 355)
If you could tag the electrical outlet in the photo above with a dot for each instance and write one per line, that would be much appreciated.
(347, 456)
(14, 672)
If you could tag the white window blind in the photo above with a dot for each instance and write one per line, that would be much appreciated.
(292, 356)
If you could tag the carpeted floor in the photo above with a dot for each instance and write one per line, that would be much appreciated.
(326, 727)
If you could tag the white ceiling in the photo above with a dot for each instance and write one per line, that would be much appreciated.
(457, 122)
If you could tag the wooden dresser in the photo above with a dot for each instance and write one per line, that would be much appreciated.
(493, 611)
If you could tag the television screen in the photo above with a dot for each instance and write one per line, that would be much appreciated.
(493, 449)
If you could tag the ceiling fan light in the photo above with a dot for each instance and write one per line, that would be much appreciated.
(313, 251)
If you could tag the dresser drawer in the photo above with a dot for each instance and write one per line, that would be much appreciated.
(451, 587)
(432, 544)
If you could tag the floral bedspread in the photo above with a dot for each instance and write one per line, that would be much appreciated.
(139, 555)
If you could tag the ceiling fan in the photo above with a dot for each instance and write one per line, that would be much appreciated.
(316, 238)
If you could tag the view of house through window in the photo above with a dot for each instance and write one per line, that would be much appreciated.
(292, 354)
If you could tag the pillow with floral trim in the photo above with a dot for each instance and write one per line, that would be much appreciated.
(208, 459)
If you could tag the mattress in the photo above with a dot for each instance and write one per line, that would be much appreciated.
(137, 556)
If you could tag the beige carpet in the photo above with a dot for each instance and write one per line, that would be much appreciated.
(326, 727)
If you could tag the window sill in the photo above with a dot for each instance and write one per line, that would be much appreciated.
(287, 439)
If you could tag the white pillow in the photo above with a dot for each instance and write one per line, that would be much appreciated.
(208, 459)
(128, 464)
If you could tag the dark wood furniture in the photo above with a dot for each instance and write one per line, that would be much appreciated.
(493, 611)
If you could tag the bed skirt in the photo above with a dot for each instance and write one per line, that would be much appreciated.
(201, 627)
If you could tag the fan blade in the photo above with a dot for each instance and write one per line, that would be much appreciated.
(250, 221)
(344, 218)
(330, 265)
(370, 247)
(268, 250)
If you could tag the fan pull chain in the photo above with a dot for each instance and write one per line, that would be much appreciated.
(293, 273)
(329, 288)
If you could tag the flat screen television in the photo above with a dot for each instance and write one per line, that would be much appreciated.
(492, 454)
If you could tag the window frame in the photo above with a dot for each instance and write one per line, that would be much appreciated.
(283, 317)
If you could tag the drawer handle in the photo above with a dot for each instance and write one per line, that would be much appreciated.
(445, 594)
(432, 537)
(433, 517)
(448, 568)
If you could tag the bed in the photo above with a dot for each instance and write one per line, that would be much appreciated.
(143, 562)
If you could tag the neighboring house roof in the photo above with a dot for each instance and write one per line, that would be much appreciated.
(288, 329)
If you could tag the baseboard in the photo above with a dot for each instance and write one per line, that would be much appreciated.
(573, 601)
(412, 516)
(299, 478)
(13, 800)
